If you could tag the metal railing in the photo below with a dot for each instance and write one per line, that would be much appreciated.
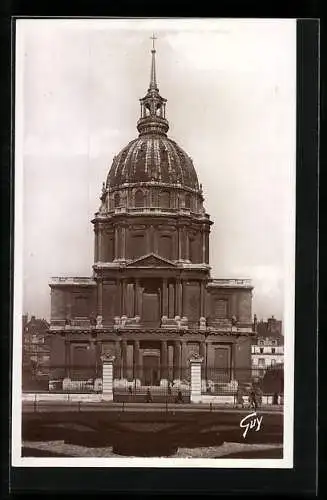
(144, 384)
(64, 378)
(157, 383)
(241, 383)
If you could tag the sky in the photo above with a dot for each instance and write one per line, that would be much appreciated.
(231, 91)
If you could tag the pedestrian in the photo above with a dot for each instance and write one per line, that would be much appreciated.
(239, 397)
(258, 397)
(148, 397)
(179, 398)
(253, 400)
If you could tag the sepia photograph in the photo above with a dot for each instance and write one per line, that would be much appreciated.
(154, 277)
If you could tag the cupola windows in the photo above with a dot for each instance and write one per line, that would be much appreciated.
(139, 198)
(164, 199)
(117, 200)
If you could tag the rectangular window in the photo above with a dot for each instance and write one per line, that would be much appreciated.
(137, 245)
(221, 309)
(261, 361)
(273, 350)
(261, 350)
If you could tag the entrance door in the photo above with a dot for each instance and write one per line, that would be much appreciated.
(150, 309)
(151, 374)
(222, 363)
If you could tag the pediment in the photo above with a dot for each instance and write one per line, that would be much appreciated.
(151, 260)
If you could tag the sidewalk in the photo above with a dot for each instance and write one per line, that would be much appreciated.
(96, 402)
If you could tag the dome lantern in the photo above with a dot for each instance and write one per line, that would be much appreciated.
(153, 106)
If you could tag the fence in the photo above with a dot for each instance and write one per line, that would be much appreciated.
(64, 378)
(161, 384)
(151, 384)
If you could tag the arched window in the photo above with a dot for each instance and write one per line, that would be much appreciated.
(187, 201)
(139, 198)
(164, 199)
(117, 200)
(154, 195)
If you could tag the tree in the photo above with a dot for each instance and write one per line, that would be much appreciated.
(273, 380)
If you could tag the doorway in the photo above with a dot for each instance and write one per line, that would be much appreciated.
(151, 309)
(151, 370)
(222, 364)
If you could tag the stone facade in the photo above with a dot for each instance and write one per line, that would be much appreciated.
(151, 301)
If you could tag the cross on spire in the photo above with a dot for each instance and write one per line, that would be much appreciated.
(153, 80)
(153, 38)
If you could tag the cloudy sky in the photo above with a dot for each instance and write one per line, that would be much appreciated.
(230, 86)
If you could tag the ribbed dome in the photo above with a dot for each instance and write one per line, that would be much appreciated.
(153, 158)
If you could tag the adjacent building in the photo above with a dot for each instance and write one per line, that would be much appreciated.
(267, 350)
(35, 350)
(150, 300)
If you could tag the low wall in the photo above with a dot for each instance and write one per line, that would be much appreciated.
(46, 396)
(221, 399)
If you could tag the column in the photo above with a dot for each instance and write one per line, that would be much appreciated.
(136, 297)
(155, 241)
(116, 243)
(99, 296)
(184, 297)
(171, 300)
(179, 243)
(177, 360)
(100, 239)
(202, 298)
(129, 309)
(234, 374)
(124, 297)
(164, 297)
(149, 235)
(96, 244)
(203, 245)
(184, 367)
(107, 378)
(207, 247)
(119, 297)
(92, 363)
(178, 297)
(118, 361)
(202, 352)
(98, 347)
(196, 379)
(69, 305)
(187, 245)
(164, 360)
(124, 358)
(67, 359)
(123, 242)
(137, 360)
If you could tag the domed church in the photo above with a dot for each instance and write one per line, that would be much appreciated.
(151, 301)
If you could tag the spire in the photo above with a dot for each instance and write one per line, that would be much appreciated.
(153, 106)
(153, 81)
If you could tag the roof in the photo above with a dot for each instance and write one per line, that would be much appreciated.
(153, 158)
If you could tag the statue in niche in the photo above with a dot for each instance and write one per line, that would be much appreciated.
(103, 192)
(203, 322)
